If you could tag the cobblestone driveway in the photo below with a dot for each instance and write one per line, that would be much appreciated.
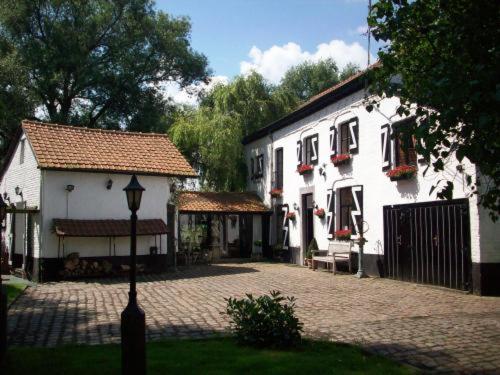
(428, 327)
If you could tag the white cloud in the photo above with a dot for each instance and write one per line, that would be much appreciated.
(189, 95)
(275, 61)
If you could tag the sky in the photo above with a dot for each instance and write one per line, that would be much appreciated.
(270, 36)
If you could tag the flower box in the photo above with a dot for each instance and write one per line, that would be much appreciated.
(276, 193)
(343, 235)
(403, 172)
(341, 159)
(320, 212)
(305, 169)
(291, 216)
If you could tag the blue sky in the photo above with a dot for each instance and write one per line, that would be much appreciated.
(271, 35)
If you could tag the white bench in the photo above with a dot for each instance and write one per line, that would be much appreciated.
(337, 251)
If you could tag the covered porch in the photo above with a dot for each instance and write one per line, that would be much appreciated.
(214, 226)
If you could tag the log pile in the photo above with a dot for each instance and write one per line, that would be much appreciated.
(74, 267)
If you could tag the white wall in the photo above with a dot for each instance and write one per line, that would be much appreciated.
(365, 169)
(27, 177)
(91, 200)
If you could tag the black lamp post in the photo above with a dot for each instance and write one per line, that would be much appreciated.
(3, 295)
(133, 319)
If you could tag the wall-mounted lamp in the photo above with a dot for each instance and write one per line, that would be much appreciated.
(70, 188)
(109, 184)
(6, 197)
(295, 206)
(322, 170)
(18, 191)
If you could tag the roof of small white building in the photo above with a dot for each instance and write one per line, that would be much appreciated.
(63, 147)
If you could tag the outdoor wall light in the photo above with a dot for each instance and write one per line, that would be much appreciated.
(295, 206)
(18, 190)
(70, 188)
(109, 184)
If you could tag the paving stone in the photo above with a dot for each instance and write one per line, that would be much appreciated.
(431, 328)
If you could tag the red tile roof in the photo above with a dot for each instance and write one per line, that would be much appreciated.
(107, 228)
(78, 148)
(222, 202)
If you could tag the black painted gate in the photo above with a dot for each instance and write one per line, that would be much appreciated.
(428, 243)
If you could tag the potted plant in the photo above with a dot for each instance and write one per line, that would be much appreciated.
(403, 172)
(276, 193)
(340, 159)
(291, 216)
(313, 246)
(343, 234)
(320, 212)
(304, 169)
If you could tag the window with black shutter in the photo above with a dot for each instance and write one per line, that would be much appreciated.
(333, 141)
(351, 208)
(345, 138)
(260, 165)
(299, 152)
(279, 169)
(252, 168)
(311, 150)
(349, 136)
(385, 140)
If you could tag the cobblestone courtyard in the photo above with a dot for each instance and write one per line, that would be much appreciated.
(428, 327)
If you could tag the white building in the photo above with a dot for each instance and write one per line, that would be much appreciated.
(411, 234)
(64, 186)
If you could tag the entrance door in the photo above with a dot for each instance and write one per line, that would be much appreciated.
(429, 243)
(246, 235)
(171, 235)
(307, 219)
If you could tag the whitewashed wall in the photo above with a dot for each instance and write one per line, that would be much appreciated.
(27, 177)
(91, 200)
(365, 170)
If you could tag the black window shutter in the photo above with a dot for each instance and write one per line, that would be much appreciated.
(314, 149)
(286, 226)
(252, 168)
(330, 215)
(354, 130)
(385, 138)
(357, 208)
(333, 141)
(260, 165)
(299, 152)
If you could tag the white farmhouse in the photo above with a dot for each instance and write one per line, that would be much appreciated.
(64, 186)
(344, 155)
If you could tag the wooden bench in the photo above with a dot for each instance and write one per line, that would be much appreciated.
(337, 251)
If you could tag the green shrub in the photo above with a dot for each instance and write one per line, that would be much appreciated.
(266, 321)
(313, 246)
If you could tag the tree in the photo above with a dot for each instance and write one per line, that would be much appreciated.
(310, 78)
(98, 62)
(443, 57)
(210, 136)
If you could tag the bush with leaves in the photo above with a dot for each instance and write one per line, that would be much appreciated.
(313, 246)
(265, 321)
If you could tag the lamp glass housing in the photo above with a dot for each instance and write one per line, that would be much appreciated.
(134, 193)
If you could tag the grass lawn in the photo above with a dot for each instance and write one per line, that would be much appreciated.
(13, 290)
(211, 356)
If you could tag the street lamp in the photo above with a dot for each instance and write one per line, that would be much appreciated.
(3, 295)
(133, 319)
(361, 243)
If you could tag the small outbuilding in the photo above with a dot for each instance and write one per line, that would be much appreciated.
(68, 214)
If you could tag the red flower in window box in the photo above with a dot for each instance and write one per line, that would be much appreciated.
(320, 212)
(291, 216)
(276, 193)
(403, 172)
(340, 159)
(343, 234)
(305, 169)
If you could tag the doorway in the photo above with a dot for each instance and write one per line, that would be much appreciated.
(307, 219)
(246, 235)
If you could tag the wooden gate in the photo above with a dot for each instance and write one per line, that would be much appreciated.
(428, 243)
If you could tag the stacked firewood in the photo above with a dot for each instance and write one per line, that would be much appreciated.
(76, 267)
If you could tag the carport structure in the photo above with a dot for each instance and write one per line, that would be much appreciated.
(231, 224)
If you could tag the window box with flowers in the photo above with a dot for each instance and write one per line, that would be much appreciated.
(305, 169)
(276, 193)
(343, 235)
(341, 159)
(403, 172)
(320, 212)
(291, 216)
